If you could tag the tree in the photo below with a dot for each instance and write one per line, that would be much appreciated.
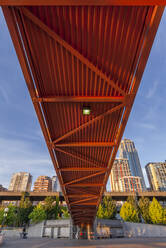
(100, 213)
(144, 204)
(156, 212)
(51, 207)
(11, 216)
(107, 209)
(129, 213)
(133, 201)
(25, 208)
(25, 200)
(65, 212)
(38, 214)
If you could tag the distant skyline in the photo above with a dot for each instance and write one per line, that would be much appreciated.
(22, 146)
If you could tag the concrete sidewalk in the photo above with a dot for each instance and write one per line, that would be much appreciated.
(60, 243)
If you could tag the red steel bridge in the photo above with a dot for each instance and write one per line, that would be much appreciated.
(83, 61)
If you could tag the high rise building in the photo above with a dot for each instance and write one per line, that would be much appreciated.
(121, 178)
(130, 184)
(156, 173)
(20, 182)
(43, 184)
(127, 150)
(119, 170)
(55, 184)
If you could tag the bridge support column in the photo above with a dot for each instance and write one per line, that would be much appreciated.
(89, 228)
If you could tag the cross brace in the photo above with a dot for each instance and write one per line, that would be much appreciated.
(86, 185)
(84, 178)
(87, 144)
(99, 117)
(69, 48)
(83, 200)
(88, 161)
(59, 99)
(71, 169)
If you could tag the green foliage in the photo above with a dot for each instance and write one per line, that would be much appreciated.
(25, 201)
(51, 207)
(1, 215)
(107, 209)
(144, 204)
(156, 212)
(38, 214)
(164, 216)
(24, 209)
(65, 212)
(110, 207)
(11, 216)
(100, 213)
(132, 200)
(129, 213)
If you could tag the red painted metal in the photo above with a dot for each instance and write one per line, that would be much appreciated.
(82, 2)
(81, 54)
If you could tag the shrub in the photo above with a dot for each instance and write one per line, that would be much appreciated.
(107, 209)
(164, 216)
(156, 212)
(129, 213)
(144, 204)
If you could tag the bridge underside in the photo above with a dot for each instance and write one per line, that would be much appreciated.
(76, 57)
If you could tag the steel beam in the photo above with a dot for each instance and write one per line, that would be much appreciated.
(86, 185)
(81, 195)
(94, 163)
(81, 2)
(71, 169)
(68, 99)
(82, 200)
(148, 42)
(84, 178)
(87, 144)
(17, 41)
(97, 118)
(69, 48)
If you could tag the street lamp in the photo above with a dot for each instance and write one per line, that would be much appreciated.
(86, 110)
(5, 212)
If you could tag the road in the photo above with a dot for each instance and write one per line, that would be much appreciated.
(111, 243)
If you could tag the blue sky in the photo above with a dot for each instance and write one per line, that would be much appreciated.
(22, 146)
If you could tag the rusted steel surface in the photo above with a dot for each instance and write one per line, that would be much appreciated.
(77, 56)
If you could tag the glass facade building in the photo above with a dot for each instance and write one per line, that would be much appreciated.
(127, 150)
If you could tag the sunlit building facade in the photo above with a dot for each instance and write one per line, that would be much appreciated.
(130, 184)
(20, 182)
(119, 170)
(156, 173)
(43, 184)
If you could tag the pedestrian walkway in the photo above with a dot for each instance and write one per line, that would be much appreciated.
(111, 243)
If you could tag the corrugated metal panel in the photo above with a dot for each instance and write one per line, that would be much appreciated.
(89, 52)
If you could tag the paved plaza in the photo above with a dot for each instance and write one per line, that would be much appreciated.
(111, 243)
